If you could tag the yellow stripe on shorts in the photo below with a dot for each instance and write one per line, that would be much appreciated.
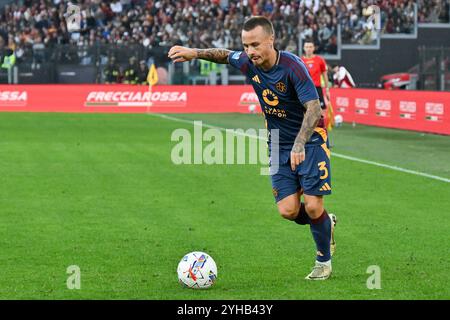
(325, 148)
(323, 133)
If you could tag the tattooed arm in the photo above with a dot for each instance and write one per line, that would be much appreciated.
(310, 120)
(182, 54)
(213, 55)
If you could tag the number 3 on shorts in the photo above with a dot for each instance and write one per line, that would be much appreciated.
(322, 167)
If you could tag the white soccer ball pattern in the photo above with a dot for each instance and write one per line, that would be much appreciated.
(197, 270)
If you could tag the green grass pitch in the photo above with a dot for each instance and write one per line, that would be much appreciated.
(100, 191)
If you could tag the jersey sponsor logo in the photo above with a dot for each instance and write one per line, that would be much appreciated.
(256, 79)
(270, 98)
(280, 86)
(277, 112)
(13, 98)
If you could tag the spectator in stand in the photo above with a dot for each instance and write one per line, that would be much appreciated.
(396, 17)
(142, 73)
(131, 72)
(112, 71)
(434, 11)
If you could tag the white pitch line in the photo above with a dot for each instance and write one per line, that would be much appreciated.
(338, 155)
(416, 173)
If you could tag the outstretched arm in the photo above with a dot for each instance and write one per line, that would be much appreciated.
(182, 54)
(310, 120)
(213, 55)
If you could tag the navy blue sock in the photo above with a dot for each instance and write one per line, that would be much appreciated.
(321, 231)
(302, 217)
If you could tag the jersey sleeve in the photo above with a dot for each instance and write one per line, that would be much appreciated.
(323, 65)
(239, 60)
(302, 83)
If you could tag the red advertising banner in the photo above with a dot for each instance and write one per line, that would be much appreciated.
(423, 111)
(126, 98)
(411, 110)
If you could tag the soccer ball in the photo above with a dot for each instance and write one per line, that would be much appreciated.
(197, 270)
(252, 108)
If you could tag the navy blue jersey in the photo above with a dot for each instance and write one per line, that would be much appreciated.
(282, 92)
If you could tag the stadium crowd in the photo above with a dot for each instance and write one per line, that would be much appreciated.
(205, 23)
(397, 17)
(434, 11)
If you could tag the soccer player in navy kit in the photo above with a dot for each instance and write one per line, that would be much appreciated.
(291, 106)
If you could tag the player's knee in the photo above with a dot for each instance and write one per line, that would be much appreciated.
(289, 212)
(314, 209)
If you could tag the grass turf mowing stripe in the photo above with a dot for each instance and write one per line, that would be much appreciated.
(100, 191)
(374, 163)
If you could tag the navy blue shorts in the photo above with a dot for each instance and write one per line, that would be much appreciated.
(313, 175)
